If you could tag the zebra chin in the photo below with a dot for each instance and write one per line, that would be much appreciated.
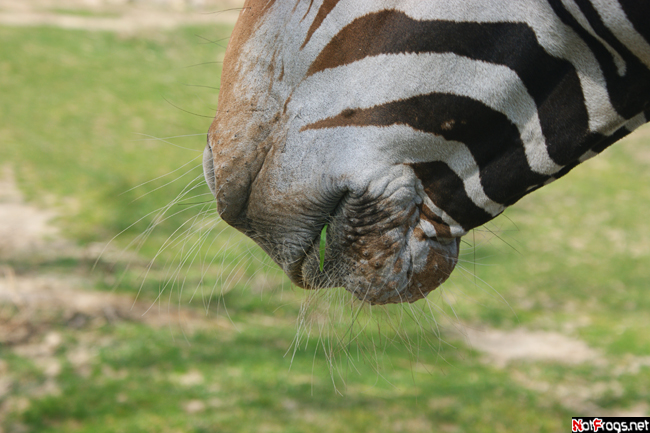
(380, 248)
(382, 277)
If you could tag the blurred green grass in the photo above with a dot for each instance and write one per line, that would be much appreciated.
(571, 258)
(75, 106)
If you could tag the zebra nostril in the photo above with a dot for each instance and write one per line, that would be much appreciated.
(208, 169)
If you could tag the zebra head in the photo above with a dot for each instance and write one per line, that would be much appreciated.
(400, 125)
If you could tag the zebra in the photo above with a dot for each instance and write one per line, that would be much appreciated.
(394, 127)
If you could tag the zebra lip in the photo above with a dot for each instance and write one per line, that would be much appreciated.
(308, 273)
(208, 169)
(404, 270)
(303, 268)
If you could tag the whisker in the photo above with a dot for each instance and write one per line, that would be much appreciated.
(186, 111)
(160, 177)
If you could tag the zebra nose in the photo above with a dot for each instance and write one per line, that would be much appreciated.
(208, 169)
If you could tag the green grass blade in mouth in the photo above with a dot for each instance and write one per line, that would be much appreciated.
(323, 244)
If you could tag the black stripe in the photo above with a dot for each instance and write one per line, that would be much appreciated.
(322, 13)
(603, 31)
(605, 142)
(446, 190)
(629, 94)
(566, 170)
(492, 139)
(553, 83)
(594, 142)
(311, 3)
(598, 143)
(638, 12)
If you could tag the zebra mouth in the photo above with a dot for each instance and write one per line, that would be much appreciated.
(400, 271)
(379, 243)
(379, 250)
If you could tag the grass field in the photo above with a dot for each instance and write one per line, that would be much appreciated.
(568, 265)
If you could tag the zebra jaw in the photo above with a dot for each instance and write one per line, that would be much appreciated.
(376, 240)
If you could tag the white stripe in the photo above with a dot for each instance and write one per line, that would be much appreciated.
(574, 9)
(616, 21)
(455, 229)
(558, 39)
(532, 187)
(381, 147)
(587, 155)
(635, 122)
(372, 81)
(425, 147)
(428, 228)
(632, 124)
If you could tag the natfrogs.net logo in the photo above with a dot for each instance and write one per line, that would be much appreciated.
(610, 424)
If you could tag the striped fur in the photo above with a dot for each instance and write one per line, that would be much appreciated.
(406, 123)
